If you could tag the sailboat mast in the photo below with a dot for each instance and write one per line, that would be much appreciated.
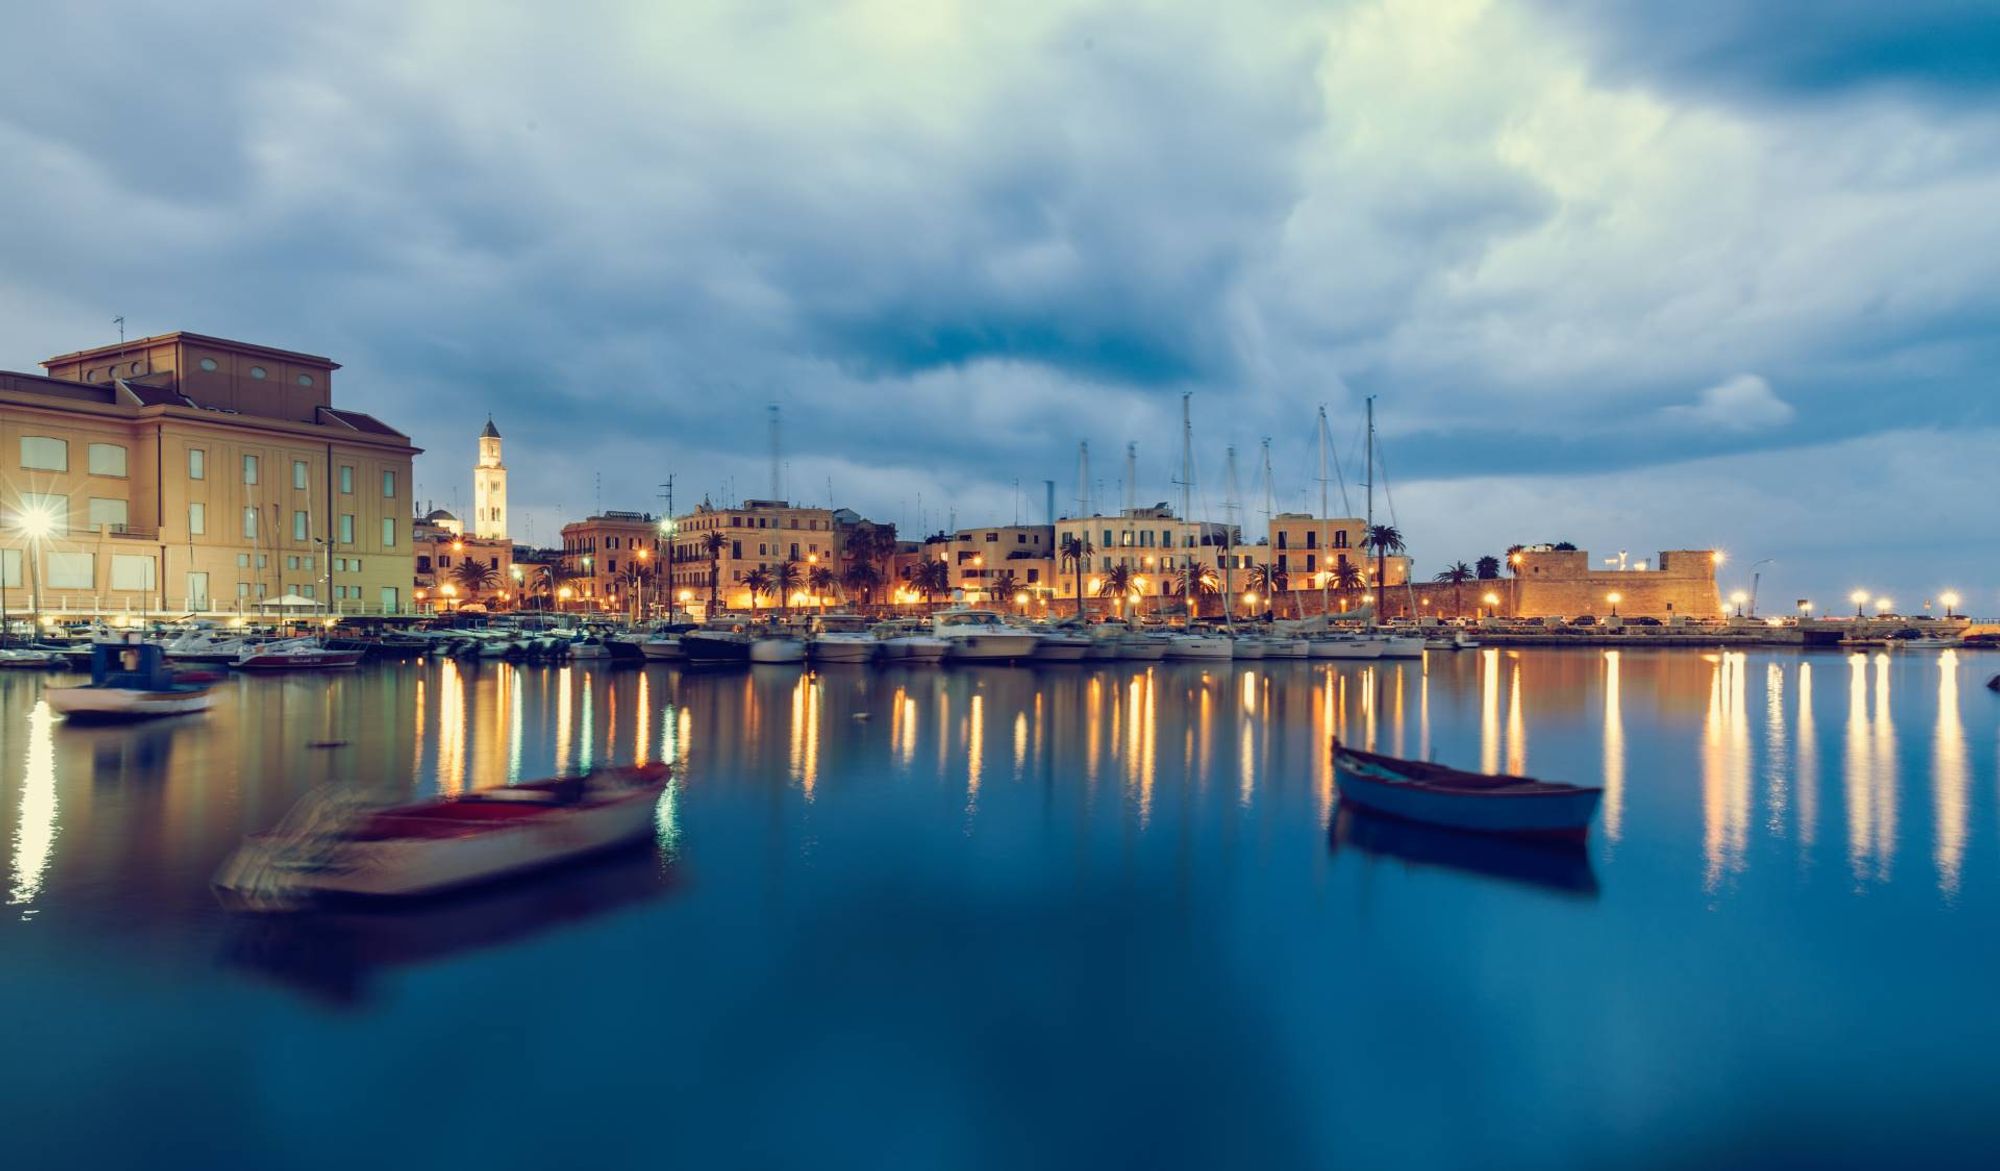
(1187, 485)
(1131, 477)
(1083, 478)
(1368, 533)
(1232, 520)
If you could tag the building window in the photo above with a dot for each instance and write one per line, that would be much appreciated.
(131, 572)
(243, 561)
(242, 589)
(1281, 539)
(43, 454)
(291, 563)
(391, 600)
(249, 524)
(107, 459)
(259, 373)
(197, 464)
(347, 528)
(207, 364)
(299, 527)
(249, 469)
(389, 486)
(197, 520)
(305, 380)
(70, 571)
(388, 532)
(1312, 540)
(1340, 538)
(306, 563)
(108, 515)
(299, 474)
(1312, 563)
(346, 480)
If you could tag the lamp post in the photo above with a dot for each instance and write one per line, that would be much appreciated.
(669, 527)
(1739, 597)
(35, 523)
(563, 596)
(1883, 606)
(1860, 599)
(1950, 600)
(1492, 601)
(515, 572)
(1614, 597)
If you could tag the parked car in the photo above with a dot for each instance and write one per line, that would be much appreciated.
(1584, 620)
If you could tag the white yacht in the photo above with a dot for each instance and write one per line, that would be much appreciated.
(1143, 647)
(1343, 646)
(1200, 646)
(1285, 648)
(981, 636)
(1251, 646)
(909, 643)
(777, 646)
(1057, 645)
(1401, 646)
(844, 646)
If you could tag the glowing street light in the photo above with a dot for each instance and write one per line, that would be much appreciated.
(35, 522)
(1805, 608)
(1950, 599)
(1860, 599)
(1614, 597)
(1492, 601)
(1883, 605)
(1739, 597)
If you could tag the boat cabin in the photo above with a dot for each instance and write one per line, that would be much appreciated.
(132, 665)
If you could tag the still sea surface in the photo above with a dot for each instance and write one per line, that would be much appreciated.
(1061, 917)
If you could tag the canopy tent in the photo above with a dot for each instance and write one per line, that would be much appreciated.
(289, 602)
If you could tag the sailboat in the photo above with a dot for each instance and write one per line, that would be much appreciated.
(1190, 644)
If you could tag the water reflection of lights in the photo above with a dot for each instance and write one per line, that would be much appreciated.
(1725, 770)
(1517, 735)
(667, 821)
(519, 717)
(1614, 748)
(805, 732)
(1020, 744)
(35, 835)
(1489, 711)
(1806, 784)
(1948, 775)
(1776, 766)
(586, 730)
(975, 751)
(563, 729)
(451, 729)
(1870, 772)
(642, 737)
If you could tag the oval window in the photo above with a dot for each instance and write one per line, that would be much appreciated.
(305, 380)
(137, 367)
(257, 372)
(208, 364)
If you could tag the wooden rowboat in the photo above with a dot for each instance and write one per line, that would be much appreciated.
(1417, 790)
(330, 847)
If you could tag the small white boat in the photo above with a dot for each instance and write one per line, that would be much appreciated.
(982, 636)
(1143, 648)
(1420, 791)
(1923, 643)
(588, 647)
(1200, 646)
(1062, 646)
(1343, 646)
(295, 654)
(1401, 646)
(205, 646)
(328, 847)
(662, 648)
(129, 681)
(777, 648)
(1286, 648)
(1250, 646)
(30, 660)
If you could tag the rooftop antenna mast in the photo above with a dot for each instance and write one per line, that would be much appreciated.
(1368, 533)
(1083, 478)
(777, 457)
(1187, 487)
(1269, 489)
(1131, 477)
(1232, 528)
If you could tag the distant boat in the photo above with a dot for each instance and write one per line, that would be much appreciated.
(1485, 803)
(129, 681)
(298, 654)
(326, 848)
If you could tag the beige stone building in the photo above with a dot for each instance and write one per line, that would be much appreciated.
(1560, 583)
(755, 534)
(443, 549)
(191, 474)
(610, 560)
(982, 560)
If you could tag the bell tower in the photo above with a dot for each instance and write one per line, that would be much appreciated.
(489, 487)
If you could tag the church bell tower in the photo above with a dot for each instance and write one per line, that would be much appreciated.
(489, 487)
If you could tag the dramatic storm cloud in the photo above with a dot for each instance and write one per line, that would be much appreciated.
(1647, 275)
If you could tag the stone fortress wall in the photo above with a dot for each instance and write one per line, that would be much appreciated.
(1561, 583)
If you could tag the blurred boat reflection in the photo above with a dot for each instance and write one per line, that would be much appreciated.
(1564, 868)
(339, 954)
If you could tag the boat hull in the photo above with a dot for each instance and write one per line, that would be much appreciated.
(1194, 646)
(990, 648)
(302, 661)
(84, 705)
(707, 650)
(844, 650)
(778, 650)
(1062, 650)
(1142, 649)
(1562, 814)
(916, 649)
(662, 650)
(1350, 648)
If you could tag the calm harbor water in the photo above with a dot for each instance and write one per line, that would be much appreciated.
(1006, 917)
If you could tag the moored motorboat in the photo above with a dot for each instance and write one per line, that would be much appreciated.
(1200, 646)
(981, 636)
(715, 647)
(662, 648)
(910, 643)
(1485, 803)
(20, 658)
(1401, 646)
(328, 847)
(1343, 646)
(298, 654)
(777, 647)
(129, 681)
(844, 646)
(1062, 646)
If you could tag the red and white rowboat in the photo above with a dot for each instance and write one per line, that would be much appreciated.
(301, 654)
(326, 848)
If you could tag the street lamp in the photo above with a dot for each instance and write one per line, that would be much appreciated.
(1739, 597)
(1614, 597)
(36, 522)
(1805, 608)
(1492, 601)
(1883, 605)
(1860, 599)
(563, 596)
(1950, 599)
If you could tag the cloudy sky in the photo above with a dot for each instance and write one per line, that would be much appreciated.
(1634, 275)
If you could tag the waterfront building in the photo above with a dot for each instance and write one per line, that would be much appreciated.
(756, 534)
(609, 560)
(1314, 553)
(999, 564)
(184, 473)
(1559, 583)
(1152, 545)
(443, 550)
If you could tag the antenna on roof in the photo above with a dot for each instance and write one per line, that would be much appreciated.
(1131, 477)
(1083, 478)
(777, 491)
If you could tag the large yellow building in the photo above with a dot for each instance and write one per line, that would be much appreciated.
(756, 534)
(189, 474)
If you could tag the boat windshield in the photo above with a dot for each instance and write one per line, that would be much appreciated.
(970, 618)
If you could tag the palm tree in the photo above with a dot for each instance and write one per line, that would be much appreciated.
(1384, 539)
(785, 580)
(1346, 579)
(1203, 580)
(1002, 586)
(1488, 567)
(1456, 577)
(929, 578)
(474, 576)
(1269, 580)
(543, 584)
(1118, 584)
(863, 577)
(757, 581)
(820, 580)
(1074, 552)
(713, 544)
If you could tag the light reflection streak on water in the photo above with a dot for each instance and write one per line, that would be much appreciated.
(1209, 685)
(451, 730)
(1489, 711)
(907, 718)
(563, 729)
(611, 719)
(805, 733)
(519, 718)
(1777, 766)
(1020, 744)
(1806, 782)
(667, 821)
(1517, 736)
(1397, 719)
(1860, 809)
(1725, 770)
(1614, 748)
(975, 752)
(1882, 777)
(1324, 730)
(1424, 711)
(1146, 724)
(586, 732)
(417, 739)
(35, 833)
(643, 717)
(1092, 730)
(1948, 776)
(1369, 680)
(1246, 741)
(943, 726)
(683, 738)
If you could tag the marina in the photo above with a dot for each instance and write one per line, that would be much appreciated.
(1164, 839)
